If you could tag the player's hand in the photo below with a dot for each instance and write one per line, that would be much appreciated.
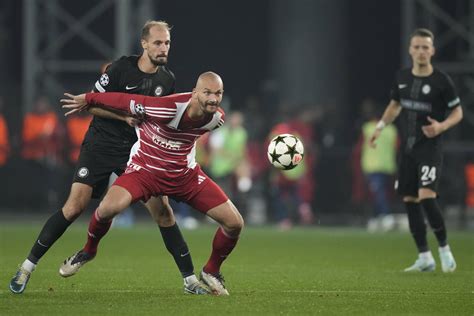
(374, 137)
(76, 103)
(132, 121)
(433, 129)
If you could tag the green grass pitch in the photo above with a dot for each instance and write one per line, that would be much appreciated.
(325, 271)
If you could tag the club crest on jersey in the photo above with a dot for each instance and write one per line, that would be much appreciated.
(104, 80)
(83, 172)
(158, 91)
(426, 89)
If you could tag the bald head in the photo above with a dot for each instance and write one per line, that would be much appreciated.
(208, 79)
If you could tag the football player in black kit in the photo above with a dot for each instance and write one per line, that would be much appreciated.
(105, 150)
(427, 102)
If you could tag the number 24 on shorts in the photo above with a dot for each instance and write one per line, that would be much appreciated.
(428, 174)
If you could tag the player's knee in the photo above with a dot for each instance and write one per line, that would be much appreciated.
(72, 210)
(109, 208)
(162, 214)
(235, 225)
(165, 219)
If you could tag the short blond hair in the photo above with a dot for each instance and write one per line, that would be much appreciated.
(151, 23)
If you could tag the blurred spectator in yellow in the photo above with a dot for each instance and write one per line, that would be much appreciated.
(378, 166)
(228, 158)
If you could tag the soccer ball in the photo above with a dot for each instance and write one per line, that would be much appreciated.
(285, 151)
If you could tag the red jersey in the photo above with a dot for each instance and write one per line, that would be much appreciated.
(167, 137)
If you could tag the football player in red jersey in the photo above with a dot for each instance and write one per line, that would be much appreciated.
(162, 163)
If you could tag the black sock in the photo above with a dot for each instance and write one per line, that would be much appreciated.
(435, 218)
(52, 230)
(178, 248)
(417, 225)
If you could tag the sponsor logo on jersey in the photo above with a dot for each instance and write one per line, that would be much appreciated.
(401, 86)
(415, 105)
(423, 183)
(83, 172)
(426, 89)
(165, 143)
(127, 87)
(104, 80)
(158, 91)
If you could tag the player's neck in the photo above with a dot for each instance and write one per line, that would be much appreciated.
(146, 66)
(194, 111)
(422, 70)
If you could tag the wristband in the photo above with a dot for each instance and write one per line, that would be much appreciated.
(380, 125)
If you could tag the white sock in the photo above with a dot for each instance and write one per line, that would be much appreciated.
(426, 255)
(190, 279)
(445, 249)
(28, 265)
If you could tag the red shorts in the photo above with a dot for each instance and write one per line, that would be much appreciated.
(195, 188)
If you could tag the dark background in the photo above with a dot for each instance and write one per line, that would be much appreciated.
(298, 54)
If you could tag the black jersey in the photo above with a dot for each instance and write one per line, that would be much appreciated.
(123, 75)
(421, 97)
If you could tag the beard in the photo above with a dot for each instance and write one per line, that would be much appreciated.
(159, 61)
(203, 105)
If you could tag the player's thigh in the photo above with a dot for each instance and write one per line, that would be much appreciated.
(78, 199)
(429, 174)
(212, 201)
(407, 181)
(227, 215)
(115, 201)
(94, 169)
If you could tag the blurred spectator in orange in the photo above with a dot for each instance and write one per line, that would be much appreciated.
(41, 136)
(4, 137)
(42, 150)
(77, 126)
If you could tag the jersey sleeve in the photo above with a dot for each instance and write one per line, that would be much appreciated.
(394, 92)
(159, 109)
(109, 81)
(449, 94)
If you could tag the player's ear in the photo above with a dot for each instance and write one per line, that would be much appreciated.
(144, 44)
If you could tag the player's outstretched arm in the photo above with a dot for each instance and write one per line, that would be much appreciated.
(391, 113)
(75, 103)
(116, 100)
(108, 114)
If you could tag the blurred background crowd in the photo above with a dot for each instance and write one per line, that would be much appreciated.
(321, 70)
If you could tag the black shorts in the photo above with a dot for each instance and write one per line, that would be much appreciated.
(94, 169)
(417, 172)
